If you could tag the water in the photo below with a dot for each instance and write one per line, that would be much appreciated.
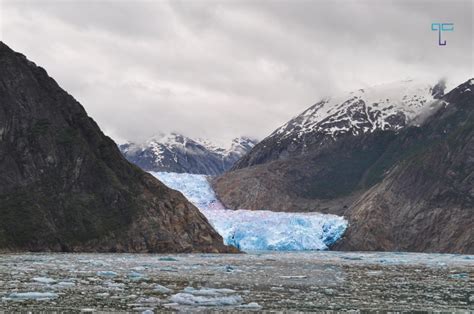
(306, 281)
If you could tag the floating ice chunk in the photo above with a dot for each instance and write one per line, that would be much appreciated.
(195, 300)
(207, 291)
(169, 268)
(461, 276)
(207, 297)
(161, 289)
(106, 273)
(251, 305)
(114, 285)
(258, 230)
(32, 296)
(94, 262)
(64, 285)
(45, 280)
(135, 275)
(139, 268)
(150, 300)
(294, 277)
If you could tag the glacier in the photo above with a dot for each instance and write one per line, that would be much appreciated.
(257, 230)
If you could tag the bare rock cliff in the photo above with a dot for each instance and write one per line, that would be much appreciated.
(64, 185)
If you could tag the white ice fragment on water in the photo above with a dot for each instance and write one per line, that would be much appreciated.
(171, 305)
(374, 273)
(251, 305)
(149, 300)
(207, 297)
(294, 277)
(257, 230)
(94, 262)
(135, 275)
(32, 296)
(44, 280)
(114, 285)
(194, 300)
(139, 268)
(161, 289)
(63, 285)
(106, 273)
(207, 291)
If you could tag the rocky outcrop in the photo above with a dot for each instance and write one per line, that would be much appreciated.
(426, 202)
(65, 185)
(328, 179)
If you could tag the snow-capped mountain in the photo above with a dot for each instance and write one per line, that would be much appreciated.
(384, 107)
(177, 153)
(399, 187)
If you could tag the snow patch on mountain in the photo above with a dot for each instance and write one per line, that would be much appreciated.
(257, 230)
(383, 107)
(177, 153)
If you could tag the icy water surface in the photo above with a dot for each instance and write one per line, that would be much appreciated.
(306, 281)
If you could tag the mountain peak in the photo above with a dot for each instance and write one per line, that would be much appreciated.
(384, 107)
(174, 152)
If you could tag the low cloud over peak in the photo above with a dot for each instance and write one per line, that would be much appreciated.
(224, 69)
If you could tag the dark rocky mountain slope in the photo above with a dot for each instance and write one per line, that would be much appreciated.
(426, 202)
(65, 185)
(327, 156)
(403, 188)
(386, 107)
(178, 153)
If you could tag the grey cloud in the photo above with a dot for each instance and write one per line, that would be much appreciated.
(224, 69)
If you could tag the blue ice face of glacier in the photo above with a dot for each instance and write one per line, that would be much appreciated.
(257, 230)
(195, 187)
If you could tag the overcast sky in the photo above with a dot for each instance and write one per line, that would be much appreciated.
(225, 69)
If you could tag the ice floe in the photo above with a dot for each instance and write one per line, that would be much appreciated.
(32, 296)
(161, 289)
(45, 280)
(106, 273)
(207, 297)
